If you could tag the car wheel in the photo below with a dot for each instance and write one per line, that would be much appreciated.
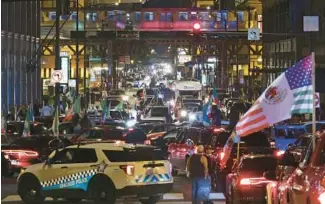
(129, 86)
(102, 190)
(143, 85)
(73, 200)
(151, 200)
(29, 190)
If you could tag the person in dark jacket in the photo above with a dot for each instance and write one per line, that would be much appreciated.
(199, 171)
(137, 136)
(216, 116)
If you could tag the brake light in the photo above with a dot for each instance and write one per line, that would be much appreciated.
(128, 169)
(222, 155)
(147, 142)
(245, 181)
(21, 153)
(131, 129)
(253, 181)
(321, 198)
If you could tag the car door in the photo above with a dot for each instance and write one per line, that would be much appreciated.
(83, 167)
(53, 173)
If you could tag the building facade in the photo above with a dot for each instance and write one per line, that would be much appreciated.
(20, 35)
(286, 42)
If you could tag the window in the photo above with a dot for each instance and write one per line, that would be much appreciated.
(52, 16)
(73, 16)
(169, 17)
(137, 16)
(183, 16)
(132, 155)
(119, 16)
(91, 17)
(64, 17)
(163, 17)
(259, 165)
(148, 16)
(110, 15)
(80, 155)
(240, 16)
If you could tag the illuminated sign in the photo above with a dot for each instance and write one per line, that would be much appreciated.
(65, 66)
(183, 59)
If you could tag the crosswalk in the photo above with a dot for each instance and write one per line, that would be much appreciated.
(169, 198)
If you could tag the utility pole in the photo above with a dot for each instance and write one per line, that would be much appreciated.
(57, 51)
(77, 50)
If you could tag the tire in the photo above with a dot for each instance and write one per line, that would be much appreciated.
(143, 85)
(129, 86)
(102, 190)
(151, 200)
(74, 200)
(29, 190)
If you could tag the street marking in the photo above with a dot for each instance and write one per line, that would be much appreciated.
(173, 196)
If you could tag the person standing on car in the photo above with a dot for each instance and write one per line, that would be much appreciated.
(199, 172)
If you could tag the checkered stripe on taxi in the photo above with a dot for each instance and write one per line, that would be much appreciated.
(72, 177)
(154, 178)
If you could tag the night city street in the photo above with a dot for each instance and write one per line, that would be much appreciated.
(163, 101)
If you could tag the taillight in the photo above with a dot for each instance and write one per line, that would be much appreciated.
(21, 153)
(253, 181)
(128, 169)
(147, 142)
(245, 181)
(222, 155)
(321, 198)
(279, 153)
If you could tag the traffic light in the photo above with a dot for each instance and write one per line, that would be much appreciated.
(196, 28)
(65, 7)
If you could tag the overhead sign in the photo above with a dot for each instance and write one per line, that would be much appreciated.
(253, 34)
(311, 23)
(56, 76)
(317, 103)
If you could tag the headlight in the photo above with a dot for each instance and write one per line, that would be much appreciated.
(125, 98)
(183, 113)
(130, 123)
(192, 117)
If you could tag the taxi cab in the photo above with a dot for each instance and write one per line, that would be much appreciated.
(100, 172)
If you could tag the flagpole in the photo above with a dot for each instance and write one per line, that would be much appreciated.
(314, 105)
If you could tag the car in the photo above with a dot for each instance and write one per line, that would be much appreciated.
(102, 133)
(246, 182)
(26, 151)
(15, 129)
(100, 172)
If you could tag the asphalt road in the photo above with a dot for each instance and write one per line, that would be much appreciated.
(181, 194)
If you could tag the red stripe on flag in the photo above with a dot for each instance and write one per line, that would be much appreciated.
(252, 130)
(251, 122)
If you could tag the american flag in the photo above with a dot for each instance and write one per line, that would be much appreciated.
(299, 81)
(253, 121)
(299, 78)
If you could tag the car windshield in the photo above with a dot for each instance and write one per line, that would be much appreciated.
(116, 92)
(159, 111)
(190, 106)
(259, 164)
(302, 141)
(133, 155)
(114, 102)
(219, 140)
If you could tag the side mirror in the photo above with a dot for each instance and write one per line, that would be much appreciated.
(270, 175)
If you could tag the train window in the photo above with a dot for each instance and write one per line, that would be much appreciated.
(163, 17)
(110, 15)
(183, 16)
(138, 16)
(204, 16)
(148, 16)
(169, 17)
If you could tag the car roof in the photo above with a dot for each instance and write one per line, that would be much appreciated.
(109, 146)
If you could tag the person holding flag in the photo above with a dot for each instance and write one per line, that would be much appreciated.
(29, 117)
(291, 93)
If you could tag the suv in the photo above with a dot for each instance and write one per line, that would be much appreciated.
(100, 172)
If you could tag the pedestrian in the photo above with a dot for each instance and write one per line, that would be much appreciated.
(199, 173)
(47, 110)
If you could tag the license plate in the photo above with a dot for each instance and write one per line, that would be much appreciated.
(149, 172)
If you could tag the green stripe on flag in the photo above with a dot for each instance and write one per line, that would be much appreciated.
(302, 111)
(303, 101)
(307, 92)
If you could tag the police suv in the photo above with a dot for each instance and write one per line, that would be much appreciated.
(100, 172)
